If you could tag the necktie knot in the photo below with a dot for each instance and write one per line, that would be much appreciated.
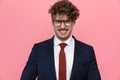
(62, 45)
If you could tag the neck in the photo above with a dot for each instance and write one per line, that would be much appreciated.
(63, 39)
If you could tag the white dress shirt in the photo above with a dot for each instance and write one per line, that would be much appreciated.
(69, 52)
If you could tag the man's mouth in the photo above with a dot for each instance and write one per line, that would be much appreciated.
(63, 32)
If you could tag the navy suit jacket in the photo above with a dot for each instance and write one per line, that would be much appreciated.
(41, 63)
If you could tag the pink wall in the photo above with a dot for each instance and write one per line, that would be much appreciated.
(24, 22)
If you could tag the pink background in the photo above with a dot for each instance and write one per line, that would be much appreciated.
(25, 22)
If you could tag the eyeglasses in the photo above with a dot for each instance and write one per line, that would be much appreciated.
(58, 23)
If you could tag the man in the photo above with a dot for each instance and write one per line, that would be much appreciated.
(62, 57)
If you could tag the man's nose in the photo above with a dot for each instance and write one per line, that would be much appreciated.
(62, 25)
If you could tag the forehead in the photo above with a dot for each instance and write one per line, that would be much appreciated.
(60, 17)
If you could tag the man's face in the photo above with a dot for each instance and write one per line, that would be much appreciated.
(62, 27)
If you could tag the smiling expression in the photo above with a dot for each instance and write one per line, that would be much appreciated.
(62, 27)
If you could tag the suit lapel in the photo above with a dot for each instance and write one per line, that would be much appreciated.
(77, 54)
(50, 55)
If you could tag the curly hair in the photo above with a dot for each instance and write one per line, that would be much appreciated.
(65, 7)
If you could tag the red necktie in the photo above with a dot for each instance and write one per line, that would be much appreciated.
(62, 62)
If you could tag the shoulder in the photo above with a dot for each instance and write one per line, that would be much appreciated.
(44, 43)
(84, 48)
(78, 42)
(82, 45)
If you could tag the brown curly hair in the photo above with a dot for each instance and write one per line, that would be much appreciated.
(64, 7)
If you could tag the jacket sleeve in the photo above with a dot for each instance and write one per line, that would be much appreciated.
(30, 70)
(93, 72)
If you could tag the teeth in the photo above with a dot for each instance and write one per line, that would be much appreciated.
(63, 32)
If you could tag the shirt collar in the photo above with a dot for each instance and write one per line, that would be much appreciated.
(68, 41)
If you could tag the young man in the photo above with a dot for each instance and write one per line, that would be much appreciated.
(62, 57)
